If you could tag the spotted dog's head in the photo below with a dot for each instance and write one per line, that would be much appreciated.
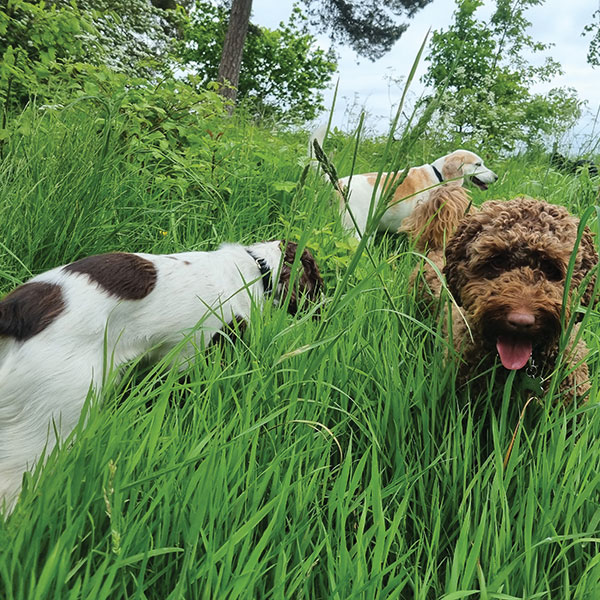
(306, 282)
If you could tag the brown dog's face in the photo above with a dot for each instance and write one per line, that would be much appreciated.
(306, 283)
(506, 266)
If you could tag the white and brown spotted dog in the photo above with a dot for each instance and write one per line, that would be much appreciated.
(59, 330)
(406, 194)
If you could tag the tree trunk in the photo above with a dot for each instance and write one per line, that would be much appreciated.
(233, 48)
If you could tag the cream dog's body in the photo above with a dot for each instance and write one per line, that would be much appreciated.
(364, 191)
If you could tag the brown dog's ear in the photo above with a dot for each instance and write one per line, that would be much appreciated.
(308, 283)
(455, 269)
(587, 259)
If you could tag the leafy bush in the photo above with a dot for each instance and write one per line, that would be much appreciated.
(37, 44)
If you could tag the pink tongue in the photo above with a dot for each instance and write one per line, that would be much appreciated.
(514, 354)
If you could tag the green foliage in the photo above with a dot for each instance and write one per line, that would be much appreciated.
(52, 52)
(47, 33)
(49, 57)
(165, 131)
(134, 37)
(593, 56)
(37, 44)
(49, 50)
(137, 35)
(485, 81)
(164, 122)
(283, 73)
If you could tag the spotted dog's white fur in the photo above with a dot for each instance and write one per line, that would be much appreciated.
(58, 330)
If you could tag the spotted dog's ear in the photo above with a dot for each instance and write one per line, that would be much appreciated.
(311, 282)
(587, 259)
(230, 331)
(308, 283)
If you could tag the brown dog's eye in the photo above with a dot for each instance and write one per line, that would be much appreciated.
(500, 262)
(551, 270)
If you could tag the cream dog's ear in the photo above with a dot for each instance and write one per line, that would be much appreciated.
(434, 221)
(453, 166)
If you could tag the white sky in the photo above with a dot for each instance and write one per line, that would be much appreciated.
(363, 83)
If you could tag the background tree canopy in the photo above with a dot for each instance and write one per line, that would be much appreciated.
(283, 72)
(366, 25)
(137, 35)
(47, 48)
(56, 51)
(482, 81)
(369, 27)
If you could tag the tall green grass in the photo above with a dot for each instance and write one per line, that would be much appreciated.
(315, 459)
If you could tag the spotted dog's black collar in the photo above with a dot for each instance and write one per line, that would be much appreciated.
(265, 272)
(437, 174)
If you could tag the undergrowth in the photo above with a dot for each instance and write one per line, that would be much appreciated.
(329, 458)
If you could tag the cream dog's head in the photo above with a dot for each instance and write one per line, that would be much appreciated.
(462, 163)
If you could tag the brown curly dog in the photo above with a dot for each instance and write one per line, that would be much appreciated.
(506, 267)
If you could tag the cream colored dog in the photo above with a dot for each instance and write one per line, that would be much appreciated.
(404, 194)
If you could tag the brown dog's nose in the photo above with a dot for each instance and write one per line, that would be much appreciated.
(521, 319)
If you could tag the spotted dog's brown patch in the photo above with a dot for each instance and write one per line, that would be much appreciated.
(29, 309)
(124, 275)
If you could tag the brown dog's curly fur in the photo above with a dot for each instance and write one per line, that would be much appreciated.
(506, 266)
